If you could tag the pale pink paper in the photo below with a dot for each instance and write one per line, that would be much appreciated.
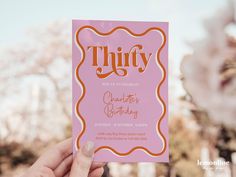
(92, 106)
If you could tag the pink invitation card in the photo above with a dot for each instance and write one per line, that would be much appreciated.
(120, 89)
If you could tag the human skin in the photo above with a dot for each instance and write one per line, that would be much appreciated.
(59, 162)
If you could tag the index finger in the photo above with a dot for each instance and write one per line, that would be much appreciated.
(54, 156)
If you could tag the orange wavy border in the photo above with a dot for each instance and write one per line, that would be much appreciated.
(157, 90)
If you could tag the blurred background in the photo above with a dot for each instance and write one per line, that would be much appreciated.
(35, 81)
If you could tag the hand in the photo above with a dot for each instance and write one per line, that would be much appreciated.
(58, 162)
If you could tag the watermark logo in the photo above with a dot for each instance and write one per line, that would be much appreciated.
(213, 165)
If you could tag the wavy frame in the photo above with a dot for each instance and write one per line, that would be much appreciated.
(80, 117)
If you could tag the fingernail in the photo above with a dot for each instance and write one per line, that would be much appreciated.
(88, 149)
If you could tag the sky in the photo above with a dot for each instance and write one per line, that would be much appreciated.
(185, 18)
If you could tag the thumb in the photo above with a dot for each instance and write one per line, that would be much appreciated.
(83, 161)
